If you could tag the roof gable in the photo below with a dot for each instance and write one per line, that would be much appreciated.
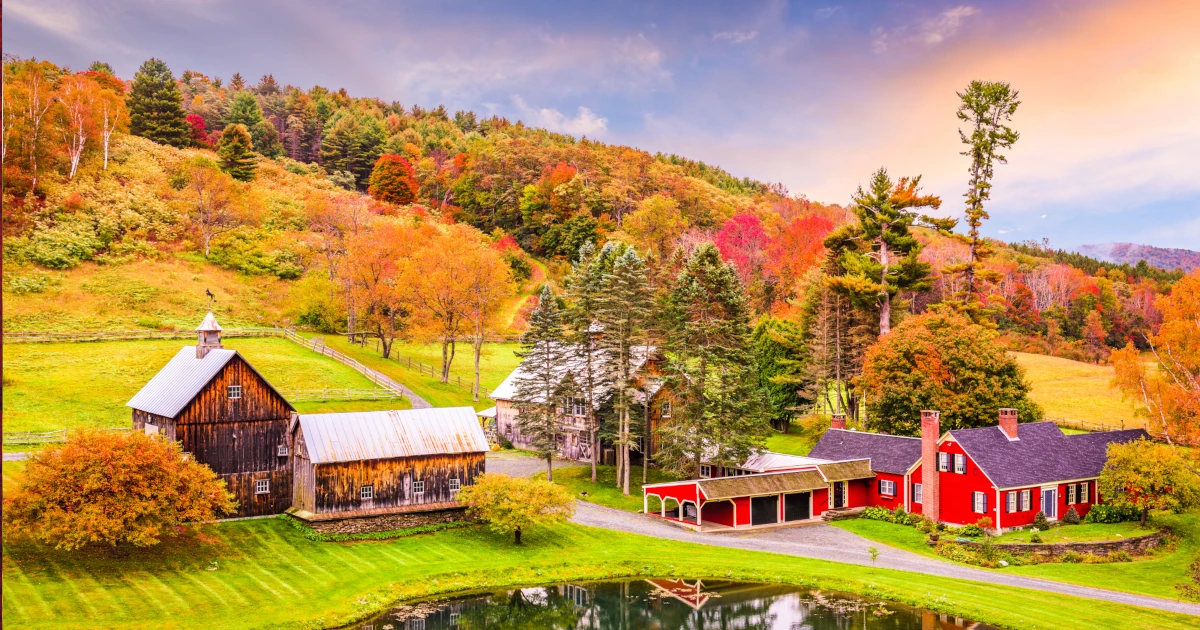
(1041, 454)
(358, 436)
(180, 381)
(893, 454)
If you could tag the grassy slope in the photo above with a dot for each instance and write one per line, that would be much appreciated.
(1076, 391)
(56, 386)
(1156, 575)
(266, 567)
(578, 479)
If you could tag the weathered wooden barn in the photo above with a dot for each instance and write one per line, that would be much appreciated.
(226, 415)
(362, 471)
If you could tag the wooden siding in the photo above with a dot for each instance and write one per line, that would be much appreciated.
(250, 503)
(236, 447)
(166, 426)
(337, 485)
(304, 478)
(258, 401)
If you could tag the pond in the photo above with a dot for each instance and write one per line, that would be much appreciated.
(661, 604)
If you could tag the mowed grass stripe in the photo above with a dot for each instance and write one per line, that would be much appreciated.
(300, 562)
(81, 599)
(168, 590)
(30, 591)
(214, 596)
(146, 598)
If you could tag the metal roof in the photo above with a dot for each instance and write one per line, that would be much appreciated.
(575, 365)
(179, 381)
(366, 435)
(209, 323)
(766, 461)
(490, 412)
(766, 483)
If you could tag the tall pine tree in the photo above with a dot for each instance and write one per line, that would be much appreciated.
(237, 157)
(584, 292)
(711, 368)
(624, 311)
(542, 387)
(156, 106)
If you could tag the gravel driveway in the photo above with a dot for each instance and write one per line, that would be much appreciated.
(825, 542)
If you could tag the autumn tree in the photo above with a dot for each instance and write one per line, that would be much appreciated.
(743, 242)
(236, 152)
(512, 505)
(156, 106)
(656, 225)
(944, 362)
(540, 385)
(489, 284)
(212, 201)
(1170, 391)
(707, 334)
(879, 253)
(393, 180)
(1146, 476)
(112, 489)
(113, 118)
(77, 97)
(374, 272)
(29, 98)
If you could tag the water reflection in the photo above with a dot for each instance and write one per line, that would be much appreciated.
(662, 604)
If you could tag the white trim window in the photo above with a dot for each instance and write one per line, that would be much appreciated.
(943, 462)
(1071, 494)
(1083, 495)
(887, 488)
(1011, 502)
(282, 450)
(455, 484)
(366, 493)
(418, 487)
(916, 493)
(979, 502)
(234, 392)
(578, 407)
(960, 464)
(1026, 500)
(262, 486)
(705, 471)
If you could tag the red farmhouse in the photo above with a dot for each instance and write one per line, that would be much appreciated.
(1007, 472)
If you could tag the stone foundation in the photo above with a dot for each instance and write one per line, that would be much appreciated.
(1132, 546)
(385, 522)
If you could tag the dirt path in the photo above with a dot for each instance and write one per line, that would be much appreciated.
(825, 542)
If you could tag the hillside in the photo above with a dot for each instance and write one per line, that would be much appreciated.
(1132, 253)
(1071, 390)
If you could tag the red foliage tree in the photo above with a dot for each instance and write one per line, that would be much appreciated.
(393, 180)
(743, 243)
(799, 246)
(200, 137)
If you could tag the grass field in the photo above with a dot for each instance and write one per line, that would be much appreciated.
(80, 385)
(1155, 575)
(578, 479)
(263, 573)
(1082, 532)
(1076, 391)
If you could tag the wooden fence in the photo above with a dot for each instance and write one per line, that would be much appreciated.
(318, 395)
(45, 437)
(380, 379)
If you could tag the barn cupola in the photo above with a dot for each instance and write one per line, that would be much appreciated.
(208, 336)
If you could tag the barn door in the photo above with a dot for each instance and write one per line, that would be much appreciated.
(764, 510)
(797, 507)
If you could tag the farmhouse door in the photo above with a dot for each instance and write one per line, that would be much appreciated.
(1050, 503)
(764, 510)
(839, 495)
(797, 507)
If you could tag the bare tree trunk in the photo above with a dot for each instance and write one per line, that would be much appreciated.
(478, 345)
(885, 308)
(837, 366)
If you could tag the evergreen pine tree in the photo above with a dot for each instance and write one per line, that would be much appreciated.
(707, 337)
(584, 290)
(236, 153)
(156, 106)
(623, 314)
(544, 380)
(780, 353)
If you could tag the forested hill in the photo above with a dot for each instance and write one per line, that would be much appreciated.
(1133, 253)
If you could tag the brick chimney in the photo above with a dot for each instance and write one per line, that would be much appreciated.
(839, 421)
(931, 430)
(1008, 423)
(208, 336)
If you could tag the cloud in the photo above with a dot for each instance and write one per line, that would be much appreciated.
(929, 31)
(586, 123)
(48, 18)
(736, 37)
(824, 13)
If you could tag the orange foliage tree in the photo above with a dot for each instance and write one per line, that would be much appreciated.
(393, 180)
(1170, 391)
(373, 273)
(112, 489)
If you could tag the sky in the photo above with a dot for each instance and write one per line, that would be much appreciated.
(815, 95)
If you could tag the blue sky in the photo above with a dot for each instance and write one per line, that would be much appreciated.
(812, 94)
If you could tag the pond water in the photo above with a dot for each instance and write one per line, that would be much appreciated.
(662, 604)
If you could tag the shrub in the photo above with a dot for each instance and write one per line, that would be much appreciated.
(1040, 521)
(1035, 539)
(1120, 555)
(984, 523)
(1109, 513)
(521, 269)
(1071, 517)
(35, 283)
(971, 531)
(899, 516)
(1072, 557)
(876, 513)
(988, 551)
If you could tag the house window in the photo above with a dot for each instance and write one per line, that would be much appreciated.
(1011, 500)
(664, 409)
(960, 464)
(454, 485)
(262, 486)
(578, 407)
(282, 451)
(887, 488)
(235, 392)
(916, 493)
(1070, 494)
(705, 471)
(366, 493)
(1084, 495)
(1026, 500)
(418, 487)
(979, 502)
(943, 462)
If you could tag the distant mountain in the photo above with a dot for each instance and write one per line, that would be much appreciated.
(1131, 253)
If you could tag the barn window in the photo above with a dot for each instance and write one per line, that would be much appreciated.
(1026, 499)
(454, 618)
(916, 493)
(416, 624)
(366, 493)
(235, 392)
(705, 471)
(418, 487)
(887, 488)
(578, 407)
(585, 440)
(262, 486)
(960, 464)
(1084, 493)
(282, 451)
(454, 485)
(664, 409)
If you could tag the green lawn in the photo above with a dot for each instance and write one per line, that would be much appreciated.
(1076, 391)
(578, 479)
(1082, 532)
(79, 385)
(266, 574)
(496, 361)
(1154, 575)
